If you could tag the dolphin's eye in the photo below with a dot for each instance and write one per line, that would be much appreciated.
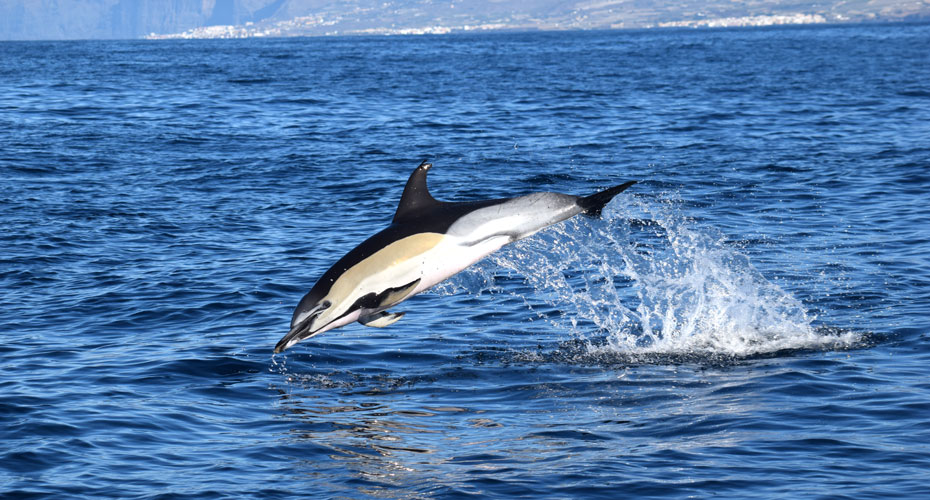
(325, 304)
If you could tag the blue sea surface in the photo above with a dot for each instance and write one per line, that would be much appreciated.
(750, 320)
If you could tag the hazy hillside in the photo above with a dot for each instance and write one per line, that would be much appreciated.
(74, 19)
(68, 19)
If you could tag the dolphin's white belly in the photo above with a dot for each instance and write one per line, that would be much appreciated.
(452, 256)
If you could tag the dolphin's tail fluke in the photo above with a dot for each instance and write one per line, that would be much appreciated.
(593, 204)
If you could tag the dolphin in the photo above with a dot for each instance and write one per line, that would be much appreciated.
(427, 242)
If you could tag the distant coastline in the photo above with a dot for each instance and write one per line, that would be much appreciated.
(185, 19)
(321, 26)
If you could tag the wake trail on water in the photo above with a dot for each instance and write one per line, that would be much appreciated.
(654, 282)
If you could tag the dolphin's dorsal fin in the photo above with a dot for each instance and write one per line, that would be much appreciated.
(416, 197)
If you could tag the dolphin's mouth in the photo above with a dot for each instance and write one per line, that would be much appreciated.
(302, 330)
(294, 336)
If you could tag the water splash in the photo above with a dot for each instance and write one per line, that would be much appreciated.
(655, 282)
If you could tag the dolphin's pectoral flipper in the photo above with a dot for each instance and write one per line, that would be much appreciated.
(381, 319)
(388, 298)
(593, 204)
(393, 296)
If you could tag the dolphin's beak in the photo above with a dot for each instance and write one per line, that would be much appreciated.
(294, 336)
(303, 330)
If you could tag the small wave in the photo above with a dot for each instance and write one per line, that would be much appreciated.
(249, 81)
(300, 101)
(547, 179)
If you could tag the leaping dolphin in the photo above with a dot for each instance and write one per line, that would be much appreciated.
(427, 242)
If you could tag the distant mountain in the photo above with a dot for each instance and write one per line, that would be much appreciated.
(77, 19)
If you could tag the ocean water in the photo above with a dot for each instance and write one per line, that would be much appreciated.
(750, 320)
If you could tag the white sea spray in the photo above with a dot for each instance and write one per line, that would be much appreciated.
(647, 280)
